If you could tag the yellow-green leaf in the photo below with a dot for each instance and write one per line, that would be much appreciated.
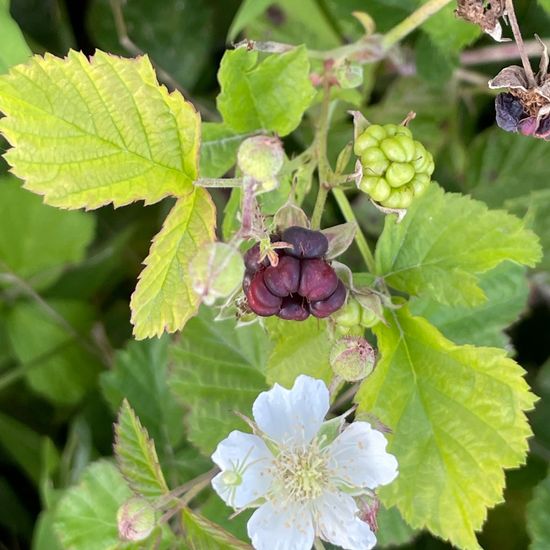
(164, 299)
(457, 420)
(136, 455)
(87, 132)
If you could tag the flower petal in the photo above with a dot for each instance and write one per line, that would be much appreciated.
(359, 457)
(338, 523)
(292, 417)
(276, 526)
(248, 457)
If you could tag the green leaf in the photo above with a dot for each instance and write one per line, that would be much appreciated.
(13, 48)
(218, 149)
(37, 241)
(139, 375)
(299, 348)
(50, 341)
(248, 11)
(217, 369)
(218, 512)
(177, 36)
(136, 455)
(506, 289)
(85, 518)
(202, 534)
(392, 529)
(457, 420)
(251, 91)
(545, 4)
(445, 241)
(538, 520)
(510, 171)
(163, 299)
(91, 132)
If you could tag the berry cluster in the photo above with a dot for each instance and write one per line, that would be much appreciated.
(302, 283)
(396, 168)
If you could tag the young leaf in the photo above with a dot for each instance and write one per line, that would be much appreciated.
(506, 289)
(218, 149)
(392, 529)
(51, 343)
(37, 241)
(251, 91)
(299, 348)
(139, 375)
(247, 12)
(457, 416)
(445, 241)
(13, 48)
(136, 455)
(91, 132)
(163, 299)
(538, 520)
(202, 534)
(217, 369)
(85, 517)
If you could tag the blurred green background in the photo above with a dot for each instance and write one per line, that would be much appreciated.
(66, 277)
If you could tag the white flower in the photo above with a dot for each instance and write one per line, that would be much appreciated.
(301, 473)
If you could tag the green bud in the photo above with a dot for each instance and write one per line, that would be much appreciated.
(216, 271)
(261, 157)
(349, 315)
(369, 318)
(352, 358)
(376, 187)
(399, 174)
(136, 519)
(393, 149)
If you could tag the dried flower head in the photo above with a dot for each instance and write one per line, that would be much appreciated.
(484, 13)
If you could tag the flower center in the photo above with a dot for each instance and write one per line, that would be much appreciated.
(303, 473)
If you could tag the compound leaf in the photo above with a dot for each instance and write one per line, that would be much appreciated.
(445, 241)
(457, 417)
(85, 133)
(252, 92)
(136, 455)
(163, 299)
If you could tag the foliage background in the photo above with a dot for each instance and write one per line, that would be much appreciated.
(64, 300)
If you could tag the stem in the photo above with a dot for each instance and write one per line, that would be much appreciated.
(219, 182)
(349, 215)
(510, 12)
(321, 153)
(318, 545)
(415, 19)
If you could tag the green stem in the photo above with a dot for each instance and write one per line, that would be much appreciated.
(349, 215)
(322, 162)
(219, 182)
(409, 24)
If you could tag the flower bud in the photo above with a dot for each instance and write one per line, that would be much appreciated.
(352, 358)
(261, 158)
(136, 519)
(349, 315)
(216, 271)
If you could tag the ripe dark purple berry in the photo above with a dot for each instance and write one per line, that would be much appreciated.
(252, 259)
(334, 302)
(283, 279)
(294, 308)
(305, 243)
(318, 280)
(260, 300)
(247, 279)
(509, 112)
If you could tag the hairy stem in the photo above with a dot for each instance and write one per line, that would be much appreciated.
(510, 12)
(360, 240)
(411, 23)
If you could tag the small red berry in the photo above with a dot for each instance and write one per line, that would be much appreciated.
(260, 300)
(283, 279)
(294, 308)
(324, 308)
(305, 243)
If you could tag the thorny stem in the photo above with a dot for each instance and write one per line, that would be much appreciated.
(321, 154)
(409, 24)
(519, 41)
(349, 216)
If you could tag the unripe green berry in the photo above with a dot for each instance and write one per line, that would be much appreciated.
(420, 183)
(399, 174)
(408, 146)
(390, 129)
(403, 131)
(377, 132)
(352, 358)
(376, 187)
(421, 158)
(393, 149)
(400, 198)
(349, 315)
(261, 157)
(374, 162)
(363, 142)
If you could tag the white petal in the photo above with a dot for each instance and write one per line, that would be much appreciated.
(359, 457)
(248, 456)
(292, 417)
(337, 522)
(281, 527)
